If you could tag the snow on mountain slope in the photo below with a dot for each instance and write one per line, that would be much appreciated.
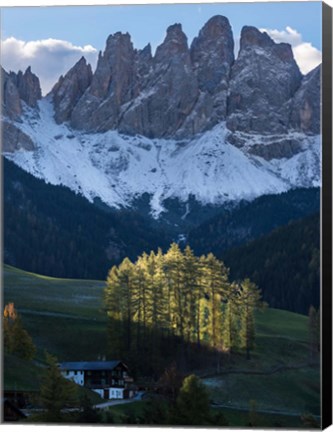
(118, 168)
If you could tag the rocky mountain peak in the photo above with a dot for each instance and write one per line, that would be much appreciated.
(146, 52)
(82, 63)
(11, 103)
(69, 89)
(264, 78)
(212, 53)
(252, 37)
(111, 86)
(19, 87)
(117, 41)
(29, 87)
(182, 91)
(175, 43)
(215, 27)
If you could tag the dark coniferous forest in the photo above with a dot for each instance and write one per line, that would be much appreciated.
(50, 230)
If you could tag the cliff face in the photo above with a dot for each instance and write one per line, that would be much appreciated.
(17, 89)
(264, 78)
(305, 105)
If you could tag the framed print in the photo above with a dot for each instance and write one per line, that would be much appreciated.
(167, 215)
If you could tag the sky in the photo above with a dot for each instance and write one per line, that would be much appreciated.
(52, 39)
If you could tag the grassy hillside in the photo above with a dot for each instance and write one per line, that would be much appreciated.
(280, 377)
(66, 318)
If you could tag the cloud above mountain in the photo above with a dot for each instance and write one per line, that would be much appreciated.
(48, 58)
(306, 55)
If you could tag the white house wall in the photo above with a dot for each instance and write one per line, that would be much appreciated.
(116, 393)
(75, 376)
(111, 393)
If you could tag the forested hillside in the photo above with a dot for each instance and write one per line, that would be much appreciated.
(51, 230)
(250, 220)
(285, 264)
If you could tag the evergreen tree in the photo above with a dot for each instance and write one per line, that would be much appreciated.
(174, 267)
(216, 287)
(113, 303)
(56, 392)
(141, 288)
(192, 406)
(249, 297)
(192, 292)
(230, 325)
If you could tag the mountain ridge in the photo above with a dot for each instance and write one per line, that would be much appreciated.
(188, 120)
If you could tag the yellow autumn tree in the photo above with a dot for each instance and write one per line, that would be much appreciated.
(16, 339)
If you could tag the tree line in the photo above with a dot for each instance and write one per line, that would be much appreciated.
(178, 304)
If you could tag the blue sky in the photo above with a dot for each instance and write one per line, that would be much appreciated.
(147, 23)
(296, 22)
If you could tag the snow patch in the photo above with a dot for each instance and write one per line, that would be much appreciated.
(117, 168)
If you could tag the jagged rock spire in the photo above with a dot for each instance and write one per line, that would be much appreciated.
(69, 89)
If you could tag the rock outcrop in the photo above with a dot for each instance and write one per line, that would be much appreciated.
(11, 103)
(305, 106)
(29, 87)
(171, 91)
(212, 54)
(17, 88)
(264, 78)
(112, 85)
(14, 139)
(69, 89)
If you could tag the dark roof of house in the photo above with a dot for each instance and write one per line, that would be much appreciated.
(91, 365)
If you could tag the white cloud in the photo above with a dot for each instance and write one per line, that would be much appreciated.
(48, 58)
(306, 55)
